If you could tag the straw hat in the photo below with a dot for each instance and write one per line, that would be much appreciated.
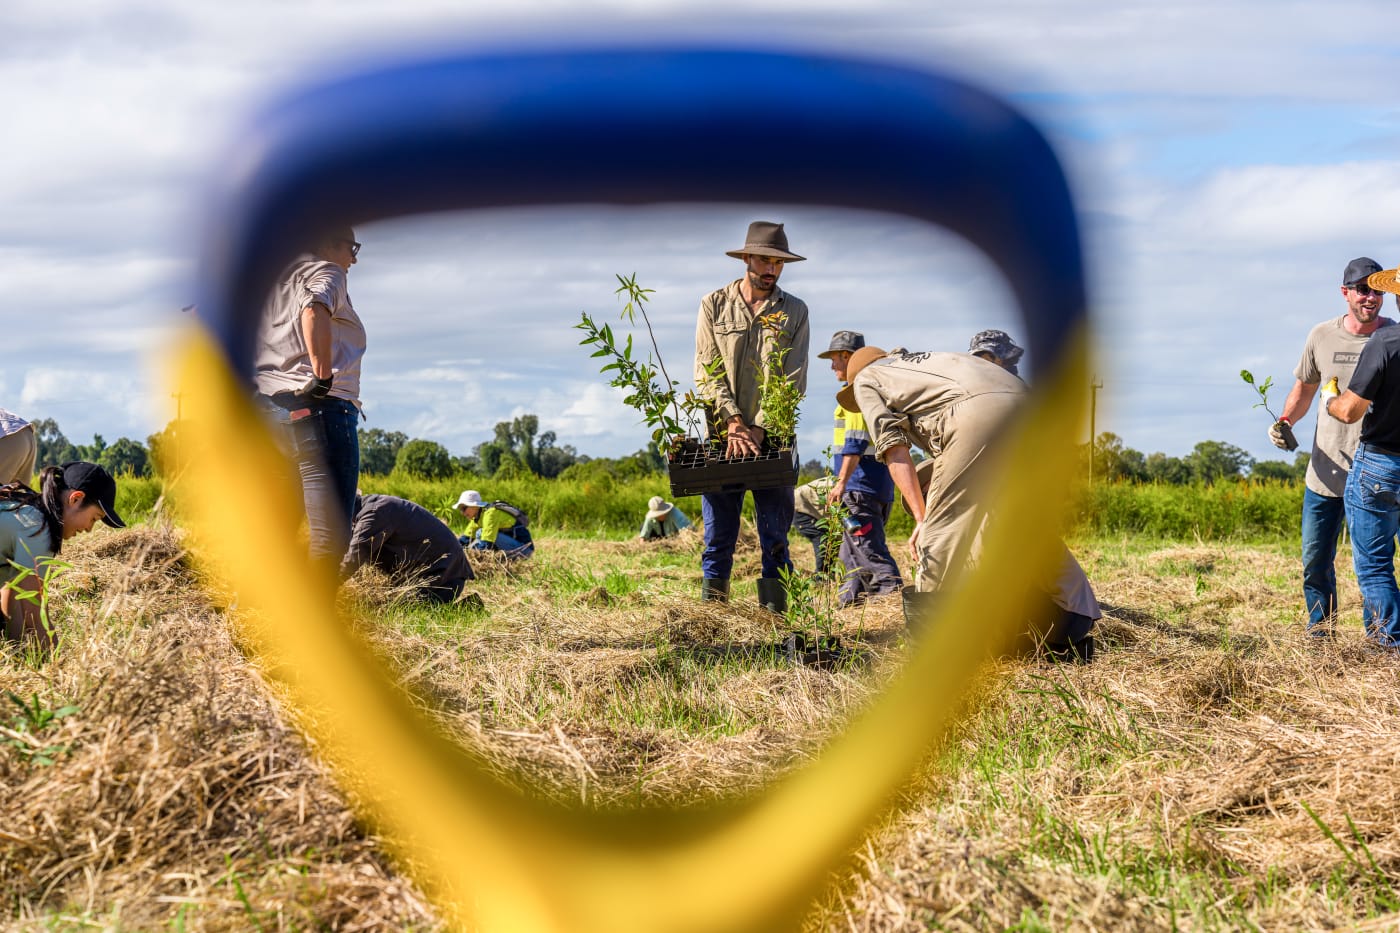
(658, 508)
(1385, 281)
(860, 359)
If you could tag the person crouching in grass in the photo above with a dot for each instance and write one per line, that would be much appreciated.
(33, 526)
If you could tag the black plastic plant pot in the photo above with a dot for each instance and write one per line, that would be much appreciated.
(697, 468)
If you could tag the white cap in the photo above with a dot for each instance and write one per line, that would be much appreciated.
(470, 497)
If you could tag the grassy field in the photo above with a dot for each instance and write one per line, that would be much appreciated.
(1213, 770)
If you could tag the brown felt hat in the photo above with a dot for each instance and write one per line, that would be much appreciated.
(766, 239)
(1385, 281)
(860, 359)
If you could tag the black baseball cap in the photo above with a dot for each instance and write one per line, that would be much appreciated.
(96, 485)
(843, 341)
(1359, 270)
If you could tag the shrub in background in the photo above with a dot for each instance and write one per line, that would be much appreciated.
(424, 460)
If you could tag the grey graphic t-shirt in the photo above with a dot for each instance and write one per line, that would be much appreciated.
(1331, 351)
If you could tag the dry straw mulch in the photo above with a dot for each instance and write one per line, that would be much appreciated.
(1215, 741)
(1212, 770)
(182, 792)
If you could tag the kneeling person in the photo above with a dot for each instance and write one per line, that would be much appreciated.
(402, 538)
(663, 520)
(495, 526)
(33, 526)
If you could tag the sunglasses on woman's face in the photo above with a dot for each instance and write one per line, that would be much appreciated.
(354, 247)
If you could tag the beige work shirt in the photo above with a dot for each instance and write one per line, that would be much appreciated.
(728, 330)
(282, 363)
(1331, 351)
(905, 397)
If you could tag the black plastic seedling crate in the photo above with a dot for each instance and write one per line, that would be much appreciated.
(698, 468)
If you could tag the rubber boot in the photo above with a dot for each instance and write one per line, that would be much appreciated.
(715, 588)
(772, 595)
(918, 607)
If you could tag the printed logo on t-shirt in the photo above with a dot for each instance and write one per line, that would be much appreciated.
(1345, 358)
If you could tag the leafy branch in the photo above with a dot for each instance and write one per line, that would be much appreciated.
(1262, 389)
(779, 397)
(670, 415)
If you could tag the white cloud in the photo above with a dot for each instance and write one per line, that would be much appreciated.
(1271, 207)
(1208, 246)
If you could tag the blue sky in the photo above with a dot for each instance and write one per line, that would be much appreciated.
(1228, 158)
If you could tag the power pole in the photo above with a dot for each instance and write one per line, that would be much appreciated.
(1094, 386)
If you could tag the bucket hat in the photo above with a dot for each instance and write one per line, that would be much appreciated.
(860, 359)
(843, 341)
(1000, 345)
(766, 238)
(469, 498)
(658, 508)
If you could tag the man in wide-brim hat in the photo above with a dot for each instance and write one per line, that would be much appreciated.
(738, 327)
(955, 406)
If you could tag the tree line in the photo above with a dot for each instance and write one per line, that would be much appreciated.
(518, 449)
(1208, 462)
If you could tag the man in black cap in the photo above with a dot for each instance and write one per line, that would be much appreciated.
(1372, 493)
(738, 327)
(1329, 355)
(864, 488)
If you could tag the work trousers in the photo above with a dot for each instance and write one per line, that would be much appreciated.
(870, 570)
(773, 511)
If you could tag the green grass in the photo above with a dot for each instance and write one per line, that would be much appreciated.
(597, 504)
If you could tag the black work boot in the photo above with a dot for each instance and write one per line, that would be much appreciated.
(772, 595)
(715, 588)
(917, 608)
(1080, 652)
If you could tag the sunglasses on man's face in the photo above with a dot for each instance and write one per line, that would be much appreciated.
(1361, 288)
(354, 247)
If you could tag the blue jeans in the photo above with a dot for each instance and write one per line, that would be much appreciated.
(1373, 512)
(518, 544)
(324, 447)
(773, 511)
(1322, 523)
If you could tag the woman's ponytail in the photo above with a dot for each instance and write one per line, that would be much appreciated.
(51, 490)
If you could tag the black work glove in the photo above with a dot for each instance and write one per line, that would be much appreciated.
(1281, 435)
(317, 389)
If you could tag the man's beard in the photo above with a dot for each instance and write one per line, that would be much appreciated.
(757, 282)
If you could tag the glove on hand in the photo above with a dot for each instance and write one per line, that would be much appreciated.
(318, 389)
(1330, 390)
(1281, 434)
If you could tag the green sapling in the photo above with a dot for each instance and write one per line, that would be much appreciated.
(1282, 427)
